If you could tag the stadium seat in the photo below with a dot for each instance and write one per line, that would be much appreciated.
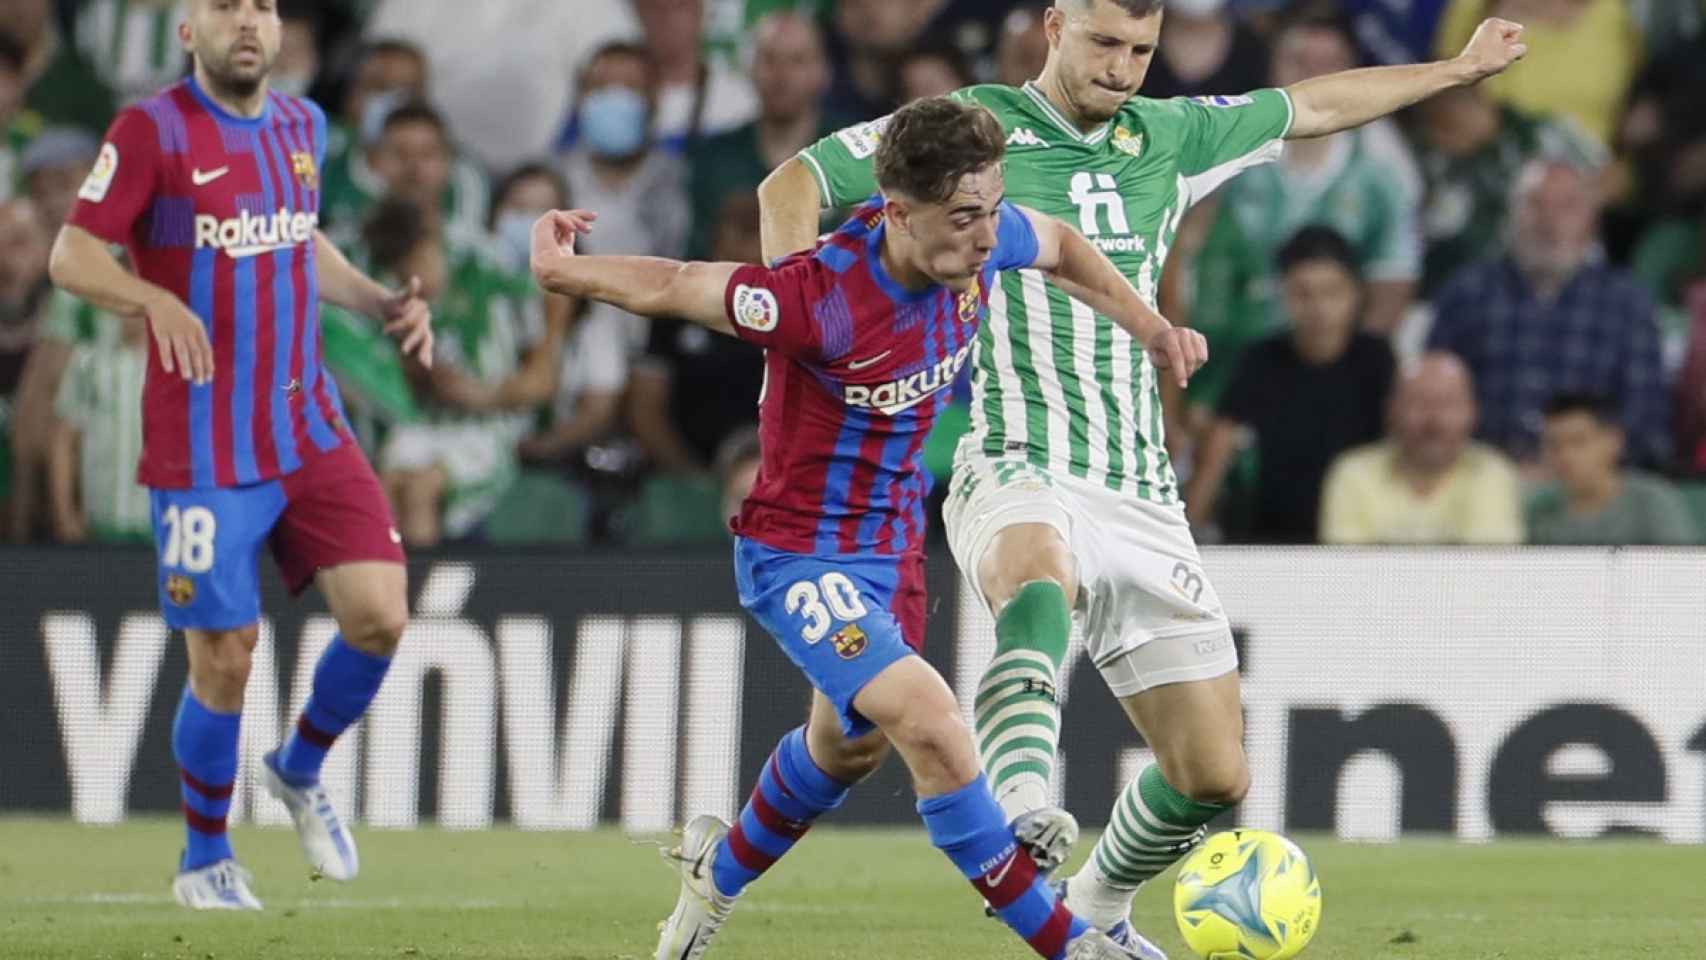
(1695, 494)
(540, 507)
(677, 510)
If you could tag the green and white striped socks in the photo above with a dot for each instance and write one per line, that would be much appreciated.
(1016, 710)
(1149, 828)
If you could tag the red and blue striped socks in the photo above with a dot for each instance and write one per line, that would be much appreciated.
(791, 793)
(970, 828)
(205, 745)
(345, 681)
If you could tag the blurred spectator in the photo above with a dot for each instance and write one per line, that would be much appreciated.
(1551, 316)
(1023, 47)
(1205, 50)
(637, 191)
(791, 72)
(133, 44)
(729, 24)
(493, 364)
(53, 167)
(61, 86)
(17, 125)
(298, 64)
(1691, 390)
(1426, 482)
(412, 159)
(93, 492)
(1306, 395)
(1664, 138)
(1395, 31)
(520, 198)
(1668, 24)
(972, 27)
(695, 96)
(504, 69)
(870, 37)
(389, 75)
(1582, 56)
(1471, 149)
(24, 294)
(694, 388)
(1593, 501)
(738, 459)
(1362, 183)
(934, 70)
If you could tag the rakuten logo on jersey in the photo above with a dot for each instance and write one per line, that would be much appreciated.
(900, 395)
(248, 235)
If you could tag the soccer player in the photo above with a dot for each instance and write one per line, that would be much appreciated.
(1063, 498)
(213, 188)
(863, 337)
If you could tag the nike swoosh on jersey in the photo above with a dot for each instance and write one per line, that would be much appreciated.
(862, 364)
(202, 179)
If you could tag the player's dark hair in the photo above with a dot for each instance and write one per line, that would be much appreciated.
(931, 143)
(1314, 243)
(528, 171)
(393, 230)
(12, 53)
(1137, 8)
(416, 111)
(1595, 405)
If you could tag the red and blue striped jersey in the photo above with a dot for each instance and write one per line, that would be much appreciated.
(222, 211)
(856, 370)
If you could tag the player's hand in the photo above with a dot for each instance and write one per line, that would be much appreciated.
(406, 313)
(1179, 350)
(182, 340)
(554, 236)
(1495, 46)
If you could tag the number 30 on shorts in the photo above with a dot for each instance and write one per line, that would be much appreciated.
(189, 539)
(832, 597)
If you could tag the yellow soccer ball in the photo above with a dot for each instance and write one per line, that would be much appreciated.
(1247, 895)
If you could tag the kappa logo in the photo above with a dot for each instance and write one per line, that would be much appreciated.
(1025, 137)
(755, 308)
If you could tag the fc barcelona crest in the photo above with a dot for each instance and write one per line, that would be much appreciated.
(971, 300)
(180, 589)
(850, 641)
(302, 164)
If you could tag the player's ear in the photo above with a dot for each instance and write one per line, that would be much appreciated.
(896, 213)
(184, 38)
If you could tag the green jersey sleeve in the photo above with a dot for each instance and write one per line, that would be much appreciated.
(842, 161)
(1221, 135)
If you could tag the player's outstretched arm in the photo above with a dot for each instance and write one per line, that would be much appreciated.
(788, 202)
(1339, 101)
(83, 266)
(1088, 276)
(646, 286)
(403, 312)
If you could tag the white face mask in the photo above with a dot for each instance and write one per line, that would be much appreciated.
(1197, 8)
(514, 229)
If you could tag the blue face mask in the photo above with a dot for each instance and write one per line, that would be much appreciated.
(613, 122)
(514, 230)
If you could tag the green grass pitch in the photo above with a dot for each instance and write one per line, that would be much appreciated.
(845, 894)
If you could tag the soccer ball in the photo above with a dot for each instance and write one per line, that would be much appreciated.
(1247, 895)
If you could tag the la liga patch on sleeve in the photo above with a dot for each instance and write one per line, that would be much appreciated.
(100, 177)
(755, 308)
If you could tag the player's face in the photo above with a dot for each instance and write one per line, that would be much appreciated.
(234, 41)
(1321, 297)
(1101, 55)
(1580, 450)
(953, 240)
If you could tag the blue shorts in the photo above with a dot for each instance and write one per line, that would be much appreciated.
(835, 616)
(208, 542)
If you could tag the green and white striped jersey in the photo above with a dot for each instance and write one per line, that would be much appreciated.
(132, 45)
(1052, 381)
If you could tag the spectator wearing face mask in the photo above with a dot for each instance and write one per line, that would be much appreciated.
(52, 169)
(1205, 50)
(389, 74)
(696, 96)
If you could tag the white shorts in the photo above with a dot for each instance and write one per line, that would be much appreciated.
(478, 459)
(1140, 575)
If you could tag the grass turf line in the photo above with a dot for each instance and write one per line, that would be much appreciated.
(91, 893)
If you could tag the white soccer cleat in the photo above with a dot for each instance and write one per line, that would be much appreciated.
(1048, 835)
(221, 885)
(701, 909)
(1127, 937)
(326, 842)
(1096, 945)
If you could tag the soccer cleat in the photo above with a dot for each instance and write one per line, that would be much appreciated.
(1047, 835)
(701, 909)
(326, 842)
(1096, 945)
(1124, 934)
(222, 885)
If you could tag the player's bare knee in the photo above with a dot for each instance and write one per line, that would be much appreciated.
(851, 760)
(1224, 782)
(378, 628)
(1022, 555)
(937, 738)
(219, 667)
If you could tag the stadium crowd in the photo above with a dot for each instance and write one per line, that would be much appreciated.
(1484, 323)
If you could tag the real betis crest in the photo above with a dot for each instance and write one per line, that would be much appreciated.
(1127, 142)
